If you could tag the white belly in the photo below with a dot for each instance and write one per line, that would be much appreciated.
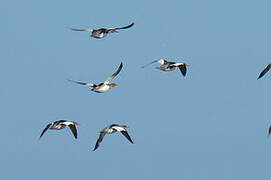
(102, 88)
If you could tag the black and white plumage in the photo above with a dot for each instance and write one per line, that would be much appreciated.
(102, 87)
(112, 129)
(266, 69)
(102, 32)
(60, 124)
(169, 66)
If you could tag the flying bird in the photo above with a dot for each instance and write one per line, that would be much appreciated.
(60, 124)
(169, 66)
(102, 32)
(267, 68)
(112, 129)
(102, 87)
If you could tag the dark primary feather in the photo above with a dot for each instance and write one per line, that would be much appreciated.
(78, 82)
(45, 129)
(99, 140)
(73, 129)
(269, 131)
(125, 27)
(183, 69)
(114, 74)
(265, 71)
(125, 133)
(117, 72)
(77, 29)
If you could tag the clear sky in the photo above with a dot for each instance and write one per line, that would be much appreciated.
(210, 125)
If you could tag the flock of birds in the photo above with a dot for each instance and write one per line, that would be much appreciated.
(107, 85)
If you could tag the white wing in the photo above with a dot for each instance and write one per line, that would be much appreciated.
(118, 128)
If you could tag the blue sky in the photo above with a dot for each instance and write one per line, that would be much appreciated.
(212, 124)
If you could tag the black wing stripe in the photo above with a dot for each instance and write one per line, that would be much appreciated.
(99, 141)
(119, 69)
(125, 27)
(73, 129)
(45, 129)
(183, 69)
(264, 71)
(125, 133)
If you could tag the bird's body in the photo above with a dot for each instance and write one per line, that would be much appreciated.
(170, 66)
(102, 32)
(112, 129)
(102, 87)
(60, 124)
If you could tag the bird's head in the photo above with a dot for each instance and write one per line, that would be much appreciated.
(161, 61)
(124, 126)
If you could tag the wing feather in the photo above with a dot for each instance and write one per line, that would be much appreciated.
(183, 69)
(82, 83)
(100, 139)
(73, 130)
(149, 63)
(81, 29)
(45, 129)
(114, 74)
(124, 27)
(265, 71)
(125, 133)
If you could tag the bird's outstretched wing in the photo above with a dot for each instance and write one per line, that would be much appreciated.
(125, 133)
(82, 83)
(149, 63)
(73, 129)
(124, 27)
(45, 129)
(81, 29)
(99, 140)
(265, 71)
(183, 69)
(114, 74)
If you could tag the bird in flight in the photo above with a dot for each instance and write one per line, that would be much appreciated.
(112, 129)
(60, 124)
(102, 32)
(104, 86)
(169, 66)
(266, 69)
